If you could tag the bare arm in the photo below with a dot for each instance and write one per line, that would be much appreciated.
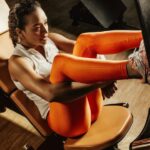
(70, 91)
(62, 42)
(22, 71)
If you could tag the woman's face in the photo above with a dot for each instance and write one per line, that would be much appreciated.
(35, 32)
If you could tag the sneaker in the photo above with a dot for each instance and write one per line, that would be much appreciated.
(139, 62)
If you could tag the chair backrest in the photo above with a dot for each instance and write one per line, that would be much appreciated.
(6, 45)
(6, 50)
(4, 11)
(18, 97)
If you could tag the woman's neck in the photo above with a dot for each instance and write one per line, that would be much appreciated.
(39, 48)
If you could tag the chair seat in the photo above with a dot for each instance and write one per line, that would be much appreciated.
(111, 126)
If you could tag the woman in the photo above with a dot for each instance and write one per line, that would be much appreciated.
(45, 76)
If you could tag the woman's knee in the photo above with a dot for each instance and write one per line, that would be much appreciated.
(84, 46)
(56, 70)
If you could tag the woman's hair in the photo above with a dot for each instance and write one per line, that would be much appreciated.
(17, 15)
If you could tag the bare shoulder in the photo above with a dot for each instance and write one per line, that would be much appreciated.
(17, 61)
(17, 65)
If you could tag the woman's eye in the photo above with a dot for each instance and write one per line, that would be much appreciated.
(37, 29)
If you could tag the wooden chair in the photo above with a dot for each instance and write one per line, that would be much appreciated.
(107, 131)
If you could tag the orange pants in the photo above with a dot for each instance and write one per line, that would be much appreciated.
(73, 119)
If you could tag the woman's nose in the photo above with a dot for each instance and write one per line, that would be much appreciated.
(44, 29)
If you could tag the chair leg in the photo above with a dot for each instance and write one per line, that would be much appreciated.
(2, 106)
(142, 142)
(54, 141)
(115, 147)
(28, 147)
(6, 102)
(123, 104)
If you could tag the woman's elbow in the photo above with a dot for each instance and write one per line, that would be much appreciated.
(46, 94)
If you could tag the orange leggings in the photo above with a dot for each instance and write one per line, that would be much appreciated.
(73, 119)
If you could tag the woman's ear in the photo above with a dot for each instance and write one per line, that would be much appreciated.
(18, 31)
(19, 34)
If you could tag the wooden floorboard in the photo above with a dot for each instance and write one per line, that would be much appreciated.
(16, 131)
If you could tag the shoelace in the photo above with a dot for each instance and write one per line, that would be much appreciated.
(139, 65)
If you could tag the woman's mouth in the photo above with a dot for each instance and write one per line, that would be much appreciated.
(44, 38)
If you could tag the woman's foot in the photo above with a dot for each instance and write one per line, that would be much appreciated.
(138, 61)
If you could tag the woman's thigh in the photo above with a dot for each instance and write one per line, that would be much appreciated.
(70, 119)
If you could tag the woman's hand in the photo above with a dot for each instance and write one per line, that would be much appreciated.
(109, 91)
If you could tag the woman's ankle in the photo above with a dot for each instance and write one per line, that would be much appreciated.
(132, 73)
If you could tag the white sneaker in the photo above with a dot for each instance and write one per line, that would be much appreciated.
(139, 62)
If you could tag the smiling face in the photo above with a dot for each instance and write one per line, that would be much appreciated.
(35, 32)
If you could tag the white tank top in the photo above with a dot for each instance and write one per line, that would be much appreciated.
(42, 66)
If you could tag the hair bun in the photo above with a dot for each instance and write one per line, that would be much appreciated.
(25, 2)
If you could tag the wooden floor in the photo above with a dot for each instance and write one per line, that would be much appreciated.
(15, 130)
